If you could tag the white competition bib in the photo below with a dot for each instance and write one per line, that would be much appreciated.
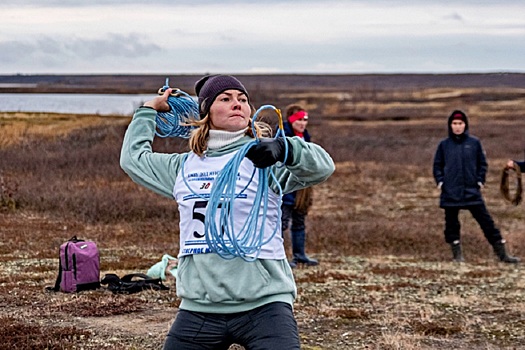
(192, 192)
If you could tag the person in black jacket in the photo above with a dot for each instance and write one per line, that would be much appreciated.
(295, 205)
(459, 169)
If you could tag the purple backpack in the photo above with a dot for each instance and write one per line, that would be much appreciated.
(79, 266)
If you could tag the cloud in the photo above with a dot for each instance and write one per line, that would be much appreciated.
(454, 17)
(166, 3)
(253, 36)
(56, 48)
(112, 45)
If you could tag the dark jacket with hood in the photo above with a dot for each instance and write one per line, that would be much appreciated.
(460, 165)
(289, 198)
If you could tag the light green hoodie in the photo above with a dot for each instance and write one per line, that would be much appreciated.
(207, 282)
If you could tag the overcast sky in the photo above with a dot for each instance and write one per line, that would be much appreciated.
(269, 36)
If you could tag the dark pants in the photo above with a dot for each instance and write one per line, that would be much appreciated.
(480, 214)
(268, 327)
(289, 214)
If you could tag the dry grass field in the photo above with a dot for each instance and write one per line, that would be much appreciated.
(385, 279)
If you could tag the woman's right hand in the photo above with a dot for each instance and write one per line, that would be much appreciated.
(160, 103)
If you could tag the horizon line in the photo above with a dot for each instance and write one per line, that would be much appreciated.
(274, 73)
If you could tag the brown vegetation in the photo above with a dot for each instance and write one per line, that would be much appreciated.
(385, 280)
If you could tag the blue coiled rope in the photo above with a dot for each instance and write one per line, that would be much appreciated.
(221, 236)
(183, 109)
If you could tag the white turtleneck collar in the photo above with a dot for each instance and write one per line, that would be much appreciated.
(221, 138)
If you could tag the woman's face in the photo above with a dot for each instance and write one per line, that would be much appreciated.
(300, 125)
(230, 111)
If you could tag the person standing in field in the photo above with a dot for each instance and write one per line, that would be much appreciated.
(226, 301)
(459, 169)
(296, 204)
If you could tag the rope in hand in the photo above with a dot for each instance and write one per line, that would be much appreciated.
(505, 186)
(183, 109)
(219, 223)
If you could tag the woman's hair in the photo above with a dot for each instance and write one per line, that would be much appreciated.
(292, 109)
(199, 136)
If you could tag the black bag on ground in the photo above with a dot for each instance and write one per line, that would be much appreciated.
(132, 283)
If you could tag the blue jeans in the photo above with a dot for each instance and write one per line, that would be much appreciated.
(269, 327)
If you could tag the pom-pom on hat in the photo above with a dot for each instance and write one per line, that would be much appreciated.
(210, 86)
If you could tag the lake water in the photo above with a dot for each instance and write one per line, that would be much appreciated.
(101, 104)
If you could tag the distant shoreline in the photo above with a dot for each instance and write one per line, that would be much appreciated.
(146, 83)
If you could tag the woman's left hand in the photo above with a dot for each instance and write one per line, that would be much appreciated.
(267, 152)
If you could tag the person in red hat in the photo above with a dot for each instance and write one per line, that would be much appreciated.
(460, 167)
(296, 204)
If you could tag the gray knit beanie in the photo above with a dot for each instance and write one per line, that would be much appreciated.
(210, 86)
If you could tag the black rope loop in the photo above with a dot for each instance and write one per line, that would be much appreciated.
(505, 185)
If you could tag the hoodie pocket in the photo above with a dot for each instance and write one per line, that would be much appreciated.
(209, 278)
